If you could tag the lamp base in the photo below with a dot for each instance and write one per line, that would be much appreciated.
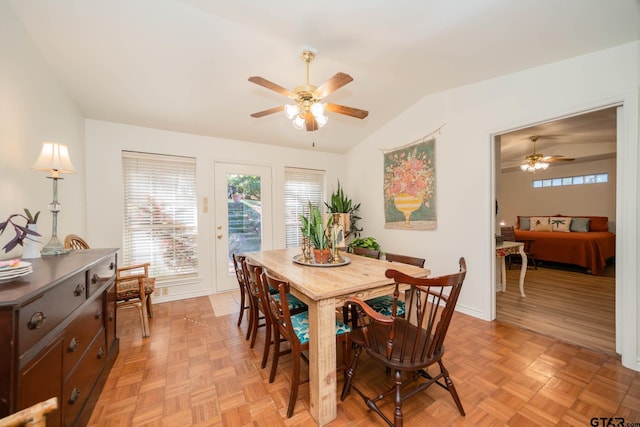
(54, 247)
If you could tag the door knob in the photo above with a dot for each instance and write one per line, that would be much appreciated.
(219, 236)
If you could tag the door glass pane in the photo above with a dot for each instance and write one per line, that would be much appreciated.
(244, 214)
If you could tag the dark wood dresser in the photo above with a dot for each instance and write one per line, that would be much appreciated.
(58, 334)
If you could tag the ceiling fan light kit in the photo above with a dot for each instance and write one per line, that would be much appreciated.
(308, 109)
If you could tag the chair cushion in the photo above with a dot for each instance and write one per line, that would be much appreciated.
(293, 302)
(384, 305)
(127, 289)
(300, 324)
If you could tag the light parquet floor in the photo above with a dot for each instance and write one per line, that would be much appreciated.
(197, 369)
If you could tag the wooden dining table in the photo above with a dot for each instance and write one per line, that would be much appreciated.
(323, 289)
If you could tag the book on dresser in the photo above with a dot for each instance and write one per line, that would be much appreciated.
(58, 334)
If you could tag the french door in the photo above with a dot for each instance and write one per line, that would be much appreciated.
(243, 220)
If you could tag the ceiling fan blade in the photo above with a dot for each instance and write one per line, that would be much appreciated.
(558, 159)
(270, 85)
(333, 84)
(347, 111)
(267, 112)
(310, 122)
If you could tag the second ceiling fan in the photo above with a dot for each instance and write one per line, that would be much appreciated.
(308, 108)
(537, 161)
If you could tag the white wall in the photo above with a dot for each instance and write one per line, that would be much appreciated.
(518, 197)
(34, 108)
(465, 170)
(104, 144)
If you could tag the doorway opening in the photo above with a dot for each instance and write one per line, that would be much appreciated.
(565, 301)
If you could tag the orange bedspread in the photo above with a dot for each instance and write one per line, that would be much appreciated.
(590, 250)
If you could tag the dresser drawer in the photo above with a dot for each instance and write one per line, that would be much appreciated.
(41, 315)
(101, 273)
(81, 332)
(78, 386)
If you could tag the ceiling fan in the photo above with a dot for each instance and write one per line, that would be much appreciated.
(537, 161)
(308, 108)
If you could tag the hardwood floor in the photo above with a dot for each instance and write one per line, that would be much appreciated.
(197, 369)
(574, 307)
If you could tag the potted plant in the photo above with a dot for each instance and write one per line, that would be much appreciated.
(22, 232)
(342, 204)
(316, 230)
(365, 242)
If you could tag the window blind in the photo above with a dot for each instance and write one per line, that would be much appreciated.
(160, 214)
(301, 186)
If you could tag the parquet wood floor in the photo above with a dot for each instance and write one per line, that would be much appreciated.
(197, 369)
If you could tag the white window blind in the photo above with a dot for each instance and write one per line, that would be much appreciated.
(160, 213)
(301, 186)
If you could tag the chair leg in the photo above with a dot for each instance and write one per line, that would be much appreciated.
(254, 330)
(397, 413)
(149, 306)
(141, 316)
(295, 382)
(276, 354)
(451, 388)
(241, 307)
(145, 319)
(251, 320)
(267, 340)
(350, 372)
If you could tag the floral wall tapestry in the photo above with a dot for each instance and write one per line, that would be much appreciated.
(410, 187)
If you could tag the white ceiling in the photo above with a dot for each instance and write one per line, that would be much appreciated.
(183, 65)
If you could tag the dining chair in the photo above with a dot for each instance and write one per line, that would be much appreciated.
(257, 313)
(33, 416)
(371, 253)
(509, 235)
(384, 303)
(73, 242)
(294, 328)
(244, 299)
(133, 285)
(294, 305)
(408, 347)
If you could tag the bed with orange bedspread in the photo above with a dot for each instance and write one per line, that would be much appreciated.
(589, 249)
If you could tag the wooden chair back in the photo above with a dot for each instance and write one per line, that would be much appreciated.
(405, 259)
(398, 342)
(74, 243)
(371, 253)
(508, 234)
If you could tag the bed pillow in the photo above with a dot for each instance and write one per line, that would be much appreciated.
(544, 227)
(560, 223)
(524, 223)
(580, 225)
(598, 223)
(537, 222)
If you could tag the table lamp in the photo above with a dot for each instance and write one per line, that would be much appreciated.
(54, 158)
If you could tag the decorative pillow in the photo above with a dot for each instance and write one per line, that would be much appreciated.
(580, 225)
(525, 223)
(544, 227)
(560, 223)
(598, 223)
(536, 221)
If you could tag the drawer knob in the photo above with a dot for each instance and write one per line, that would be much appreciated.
(73, 345)
(111, 316)
(100, 353)
(79, 290)
(112, 266)
(37, 320)
(75, 393)
(95, 278)
(98, 314)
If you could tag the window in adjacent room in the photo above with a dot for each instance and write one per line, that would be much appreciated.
(301, 186)
(571, 180)
(160, 213)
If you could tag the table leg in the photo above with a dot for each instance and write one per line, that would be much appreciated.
(503, 274)
(523, 269)
(322, 361)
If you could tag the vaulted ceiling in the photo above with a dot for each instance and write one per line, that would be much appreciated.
(183, 65)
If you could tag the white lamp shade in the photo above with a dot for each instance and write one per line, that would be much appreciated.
(291, 111)
(298, 122)
(54, 158)
(321, 120)
(317, 109)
